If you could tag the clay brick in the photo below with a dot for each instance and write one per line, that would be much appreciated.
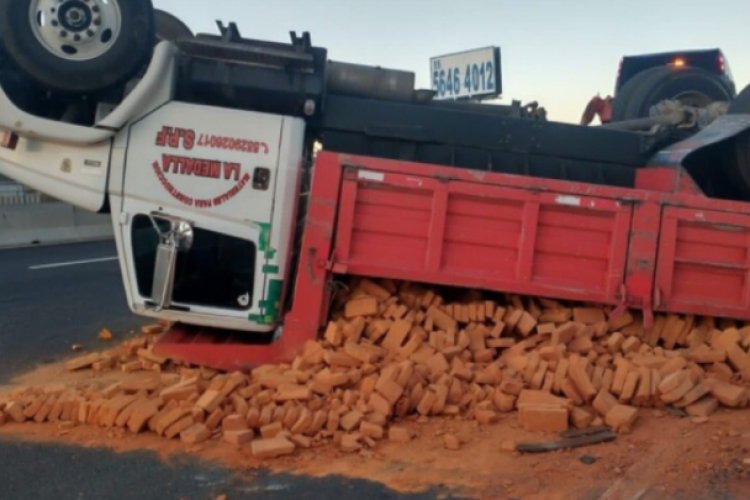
(150, 356)
(234, 422)
(617, 322)
(615, 342)
(631, 344)
(371, 430)
(526, 324)
(238, 438)
(214, 419)
(653, 334)
(179, 392)
(271, 430)
(581, 345)
(543, 418)
(503, 402)
(725, 339)
(372, 288)
(441, 319)
(604, 402)
(389, 389)
(721, 371)
(673, 381)
(195, 434)
(14, 410)
(340, 359)
(673, 365)
(739, 359)
(529, 397)
(110, 412)
(672, 330)
(399, 434)
(569, 390)
(176, 428)
(643, 394)
(380, 404)
(679, 392)
(704, 354)
(692, 395)
(131, 366)
(333, 334)
(727, 394)
(581, 380)
(350, 420)
(703, 408)
(362, 353)
(426, 403)
(210, 400)
(631, 383)
(560, 315)
(170, 417)
(82, 362)
(437, 364)
(485, 417)
(350, 442)
(580, 418)
(365, 306)
(588, 315)
(293, 392)
(45, 410)
(621, 417)
(396, 335)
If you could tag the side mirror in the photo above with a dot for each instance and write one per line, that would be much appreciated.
(179, 238)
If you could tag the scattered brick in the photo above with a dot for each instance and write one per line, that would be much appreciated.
(270, 448)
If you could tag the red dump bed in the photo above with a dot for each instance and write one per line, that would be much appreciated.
(662, 246)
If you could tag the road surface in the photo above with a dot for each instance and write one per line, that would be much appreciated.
(56, 296)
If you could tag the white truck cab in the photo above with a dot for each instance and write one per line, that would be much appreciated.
(202, 198)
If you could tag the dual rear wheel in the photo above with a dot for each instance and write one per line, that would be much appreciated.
(82, 46)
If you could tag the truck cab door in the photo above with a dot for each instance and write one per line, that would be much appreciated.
(206, 214)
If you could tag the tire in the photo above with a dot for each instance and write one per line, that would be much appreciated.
(169, 27)
(741, 103)
(737, 161)
(114, 44)
(693, 86)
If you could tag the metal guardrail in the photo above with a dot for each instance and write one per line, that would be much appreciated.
(20, 199)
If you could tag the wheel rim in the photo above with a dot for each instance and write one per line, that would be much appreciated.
(693, 98)
(76, 30)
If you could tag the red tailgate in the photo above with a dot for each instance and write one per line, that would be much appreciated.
(703, 262)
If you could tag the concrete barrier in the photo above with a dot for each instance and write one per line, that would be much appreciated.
(50, 223)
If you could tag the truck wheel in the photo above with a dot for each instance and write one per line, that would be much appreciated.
(741, 104)
(691, 86)
(78, 46)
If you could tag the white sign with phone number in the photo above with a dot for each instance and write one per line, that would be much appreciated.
(467, 75)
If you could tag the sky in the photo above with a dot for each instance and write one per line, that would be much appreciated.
(557, 52)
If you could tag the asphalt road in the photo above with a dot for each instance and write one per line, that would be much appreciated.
(56, 296)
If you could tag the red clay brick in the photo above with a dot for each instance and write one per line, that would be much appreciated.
(195, 434)
(621, 417)
(543, 418)
(365, 306)
(238, 438)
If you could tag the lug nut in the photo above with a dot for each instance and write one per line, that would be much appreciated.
(63, 33)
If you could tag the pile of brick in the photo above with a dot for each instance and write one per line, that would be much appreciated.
(396, 351)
